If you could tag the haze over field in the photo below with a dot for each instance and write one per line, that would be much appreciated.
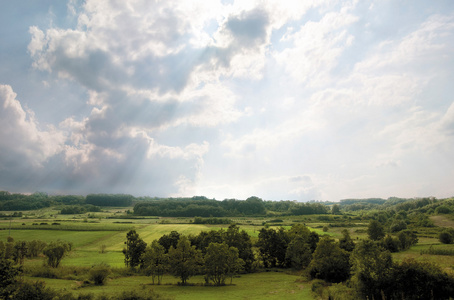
(280, 99)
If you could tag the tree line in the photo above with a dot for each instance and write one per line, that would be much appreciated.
(366, 264)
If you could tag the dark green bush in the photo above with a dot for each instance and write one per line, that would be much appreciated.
(99, 273)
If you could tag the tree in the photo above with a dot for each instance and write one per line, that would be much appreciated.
(272, 245)
(55, 252)
(8, 274)
(391, 244)
(155, 261)
(216, 262)
(346, 242)
(335, 210)
(427, 281)
(371, 269)
(36, 290)
(169, 240)
(298, 254)
(184, 260)
(233, 237)
(234, 262)
(375, 230)
(446, 236)
(330, 262)
(35, 248)
(135, 247)
(20, 251)
(398, 225)
(407, 238)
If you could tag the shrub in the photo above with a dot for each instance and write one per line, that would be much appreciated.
(446, 236)
(36, 290)
(443, 209)
(99, 273)
(133, 295)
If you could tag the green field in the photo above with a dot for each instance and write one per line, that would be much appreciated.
(89, 236)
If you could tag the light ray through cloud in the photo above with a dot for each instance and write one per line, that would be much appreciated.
(309, 100)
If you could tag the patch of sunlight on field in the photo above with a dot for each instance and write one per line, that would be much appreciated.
(155, 231)
(83, 258)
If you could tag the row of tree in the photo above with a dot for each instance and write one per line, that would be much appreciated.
(218, 261)
(203, 207)
(17, 251)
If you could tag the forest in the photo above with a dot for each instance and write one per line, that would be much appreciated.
(352, 249)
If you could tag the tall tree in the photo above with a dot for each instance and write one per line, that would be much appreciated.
(375, 230)
(298, 254)
(135, 247)
(216, 262)
(371, 268)
(346, 242)
(330, 262)
(155, 261)
(8, 274)
(169, 240)
(184, 260)
(241, 241)
(55, 251)
(272, 245)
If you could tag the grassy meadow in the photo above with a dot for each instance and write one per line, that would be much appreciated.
(99, 238)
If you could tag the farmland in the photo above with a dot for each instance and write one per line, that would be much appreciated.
(98, 238)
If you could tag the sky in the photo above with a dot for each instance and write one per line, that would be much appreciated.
(284, 100)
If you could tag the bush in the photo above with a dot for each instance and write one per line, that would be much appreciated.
(446, 237)
(133, 295)
(36, 290)
(99, 273)
(443, 209)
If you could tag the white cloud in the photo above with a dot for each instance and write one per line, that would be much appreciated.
(22, 140)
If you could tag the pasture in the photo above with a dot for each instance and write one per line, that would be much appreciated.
(100, 239)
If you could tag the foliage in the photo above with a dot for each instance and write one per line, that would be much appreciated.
(407, 238)
(79, 209)
(135, 247)
(391, 244)
(36, 290)
(398, 225)
(143, 295)
(375, 230)
(298, 254)
(446, 236)
(8, 273)
(220, 261)
(240, 240)
(371, 269)
(184, 260)
(109, 199)
(55, 251)
(35, 248)
(346, 242)
(20, 251)
(155, 261)
(169, 240)
(330, 262)
(198, 220)
(98, 274)
(272, 245)
(427, 281)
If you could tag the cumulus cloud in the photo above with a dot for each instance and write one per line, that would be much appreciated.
(23, 141)
(285, 99)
